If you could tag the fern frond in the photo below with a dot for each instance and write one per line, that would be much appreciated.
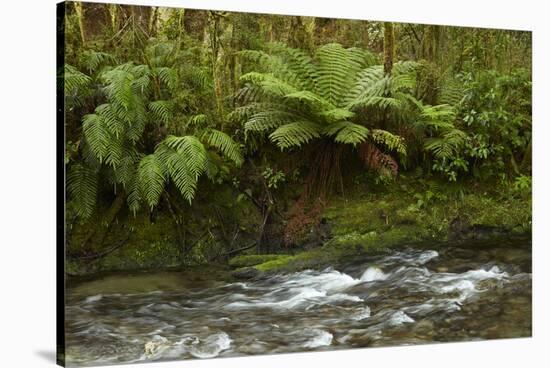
(199, 120)
(181, 175)
(82, 189)
(447, 145)
(316, 101)
(268, 120)
(389, 140)
(134, 194)
(74, 80)
(336, 69)
(93, 60)
(225, 144)
(110, 119)
(191, 150)
(346, 132)
(119, 86)
(168, 76)
(126, 168)
(151, 176)
(335, 115)
(97, 135)
(295, 134)
(162, 110)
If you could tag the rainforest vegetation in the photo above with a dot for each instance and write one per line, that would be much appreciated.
(267, 142)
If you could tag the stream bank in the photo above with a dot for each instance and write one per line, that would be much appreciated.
(361, 222)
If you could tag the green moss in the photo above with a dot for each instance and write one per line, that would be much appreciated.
(373, 223)
(280, 263)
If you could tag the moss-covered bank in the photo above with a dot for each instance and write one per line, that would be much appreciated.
(361, 222)
(365, 223)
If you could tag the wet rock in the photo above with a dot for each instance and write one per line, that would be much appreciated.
(424, 327)
(461, 229)
(246, 273)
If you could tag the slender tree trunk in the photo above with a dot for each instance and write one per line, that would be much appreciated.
(80, 16)
(431, 55)
(389, 47)
(215, 56)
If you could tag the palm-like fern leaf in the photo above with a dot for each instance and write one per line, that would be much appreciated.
(82, 189)
(151, 176)
(347, 132)
(74, 80)
(389, 140)
(97, 135)
(181, 175)
(295, 134)
(162, 110)
(336, 70)
(191, 151)
(223, 142)
(93, 60)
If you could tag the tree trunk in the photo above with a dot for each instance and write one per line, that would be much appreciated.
(389, 47)
(93, 20)
(431, 55)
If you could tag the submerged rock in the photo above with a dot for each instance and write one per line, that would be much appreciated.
(246, 273)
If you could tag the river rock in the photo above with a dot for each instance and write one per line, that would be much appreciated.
(424, 327)
(245, 273)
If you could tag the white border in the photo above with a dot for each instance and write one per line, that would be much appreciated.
(27, 180)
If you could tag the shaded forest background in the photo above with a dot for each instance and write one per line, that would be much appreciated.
(205, 134)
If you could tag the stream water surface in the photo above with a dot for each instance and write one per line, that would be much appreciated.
(452, 292)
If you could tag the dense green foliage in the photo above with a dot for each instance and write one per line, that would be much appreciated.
(185, 112)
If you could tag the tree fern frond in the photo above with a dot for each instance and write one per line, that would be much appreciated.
(110, 119)
(97, 135)
(447, 145)
(439, 117)
(268, 120)
(336, 69)
(126, 168)
(295, 134)
(389, 140)
(223, 142)
(162, 110)
(269, 84)
(134, 194)
(380, 102)
(151, 176)
(119, 86)
(74, 80)
(346, 132)
(168, 76)
(182, 177)
(82, 189)
(335, 115)
(311, 98)
(115, 151)
(191, 150)
(93, 60)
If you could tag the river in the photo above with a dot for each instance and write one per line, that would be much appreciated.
(434, 293)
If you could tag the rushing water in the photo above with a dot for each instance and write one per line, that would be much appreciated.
(410, 296)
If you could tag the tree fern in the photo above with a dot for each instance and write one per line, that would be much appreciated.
(296, 99)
